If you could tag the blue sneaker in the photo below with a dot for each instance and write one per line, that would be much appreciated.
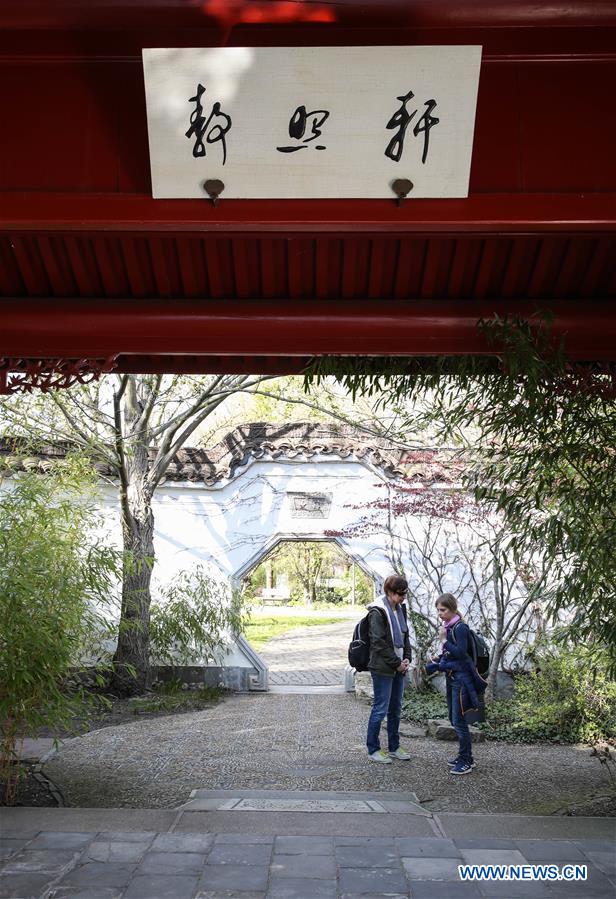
(461, 768)
(453, 762)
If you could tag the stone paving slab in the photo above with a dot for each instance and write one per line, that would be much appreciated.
(528, 826)
(146, 865)
(307, 806)
(64, 827)
(306, 689)
(313, 846)
(86, 819)
(405, 796)
(323, 824)
(309, 676)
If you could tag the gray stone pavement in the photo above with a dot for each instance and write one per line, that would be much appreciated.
(48, 859)
(310, 656)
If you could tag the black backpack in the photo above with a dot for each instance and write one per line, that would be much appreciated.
(479, 650)
(359, 647)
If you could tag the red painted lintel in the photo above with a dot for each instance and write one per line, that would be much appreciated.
(477, 214)
(212, 365)
(97, 14)
(100, 328)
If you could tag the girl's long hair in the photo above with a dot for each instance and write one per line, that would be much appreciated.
(450, 602)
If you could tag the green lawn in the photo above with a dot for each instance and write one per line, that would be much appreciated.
(263, 628)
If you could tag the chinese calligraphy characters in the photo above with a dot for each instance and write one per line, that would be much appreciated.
(401, 120)
(305, 127)
(297, 128)
(201, 127)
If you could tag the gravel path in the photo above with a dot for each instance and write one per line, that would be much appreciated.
(304, 742)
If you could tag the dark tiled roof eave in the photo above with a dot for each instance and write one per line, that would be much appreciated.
(296, 441)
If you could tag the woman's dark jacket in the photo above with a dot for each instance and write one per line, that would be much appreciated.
(457, 664)
(383, 658)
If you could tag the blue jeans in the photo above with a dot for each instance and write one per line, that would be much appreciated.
(458, 722)
(387, 701)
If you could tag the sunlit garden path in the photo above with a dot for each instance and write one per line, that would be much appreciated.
(311, 656)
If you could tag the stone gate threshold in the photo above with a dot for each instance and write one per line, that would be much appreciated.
(313, 690)
(306, 812)
(306, 802)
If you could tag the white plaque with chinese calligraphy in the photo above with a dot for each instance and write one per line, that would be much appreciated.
(309, 122)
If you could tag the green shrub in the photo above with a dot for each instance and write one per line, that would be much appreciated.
(192, 620)
(562, 701)
(364, 587)
(421, 707)
(176, 700)
(56, 580)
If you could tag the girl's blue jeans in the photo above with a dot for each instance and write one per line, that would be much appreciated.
(387, 701)
(465, 752)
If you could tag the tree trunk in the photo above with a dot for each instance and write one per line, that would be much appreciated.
(497, 654)
(539, 619)
(497, 651)
(417, 672)
(132, 657)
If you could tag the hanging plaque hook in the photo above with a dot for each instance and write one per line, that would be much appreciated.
(213, 188)
(401, 187)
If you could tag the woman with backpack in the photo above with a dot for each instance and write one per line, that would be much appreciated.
(390, 657)
(464, 685)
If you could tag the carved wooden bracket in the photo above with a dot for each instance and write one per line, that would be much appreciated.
(28, 375)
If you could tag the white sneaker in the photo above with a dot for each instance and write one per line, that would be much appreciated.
(401, 754)
(380, 756)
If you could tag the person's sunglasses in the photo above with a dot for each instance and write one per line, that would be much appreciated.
(401, 592)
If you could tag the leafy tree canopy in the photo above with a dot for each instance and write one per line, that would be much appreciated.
(538, 436)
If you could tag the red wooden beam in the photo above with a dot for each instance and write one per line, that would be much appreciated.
(211, 365)
(477, 214)
(132, 14)
(100, 328)
(427, 13)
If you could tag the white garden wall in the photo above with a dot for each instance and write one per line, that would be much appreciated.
(228, 511)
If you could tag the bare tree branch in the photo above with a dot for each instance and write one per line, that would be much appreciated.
(344, 419)
(86, 436)
(170, 427)
(164, 457)
(85, 402)
(144, 419)
(119, 445)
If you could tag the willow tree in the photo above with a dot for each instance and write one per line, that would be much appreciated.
(538, 438)
(131, 426)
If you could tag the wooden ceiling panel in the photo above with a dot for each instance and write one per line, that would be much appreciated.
(155, 266)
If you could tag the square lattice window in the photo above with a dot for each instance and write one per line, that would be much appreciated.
(310, 505)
